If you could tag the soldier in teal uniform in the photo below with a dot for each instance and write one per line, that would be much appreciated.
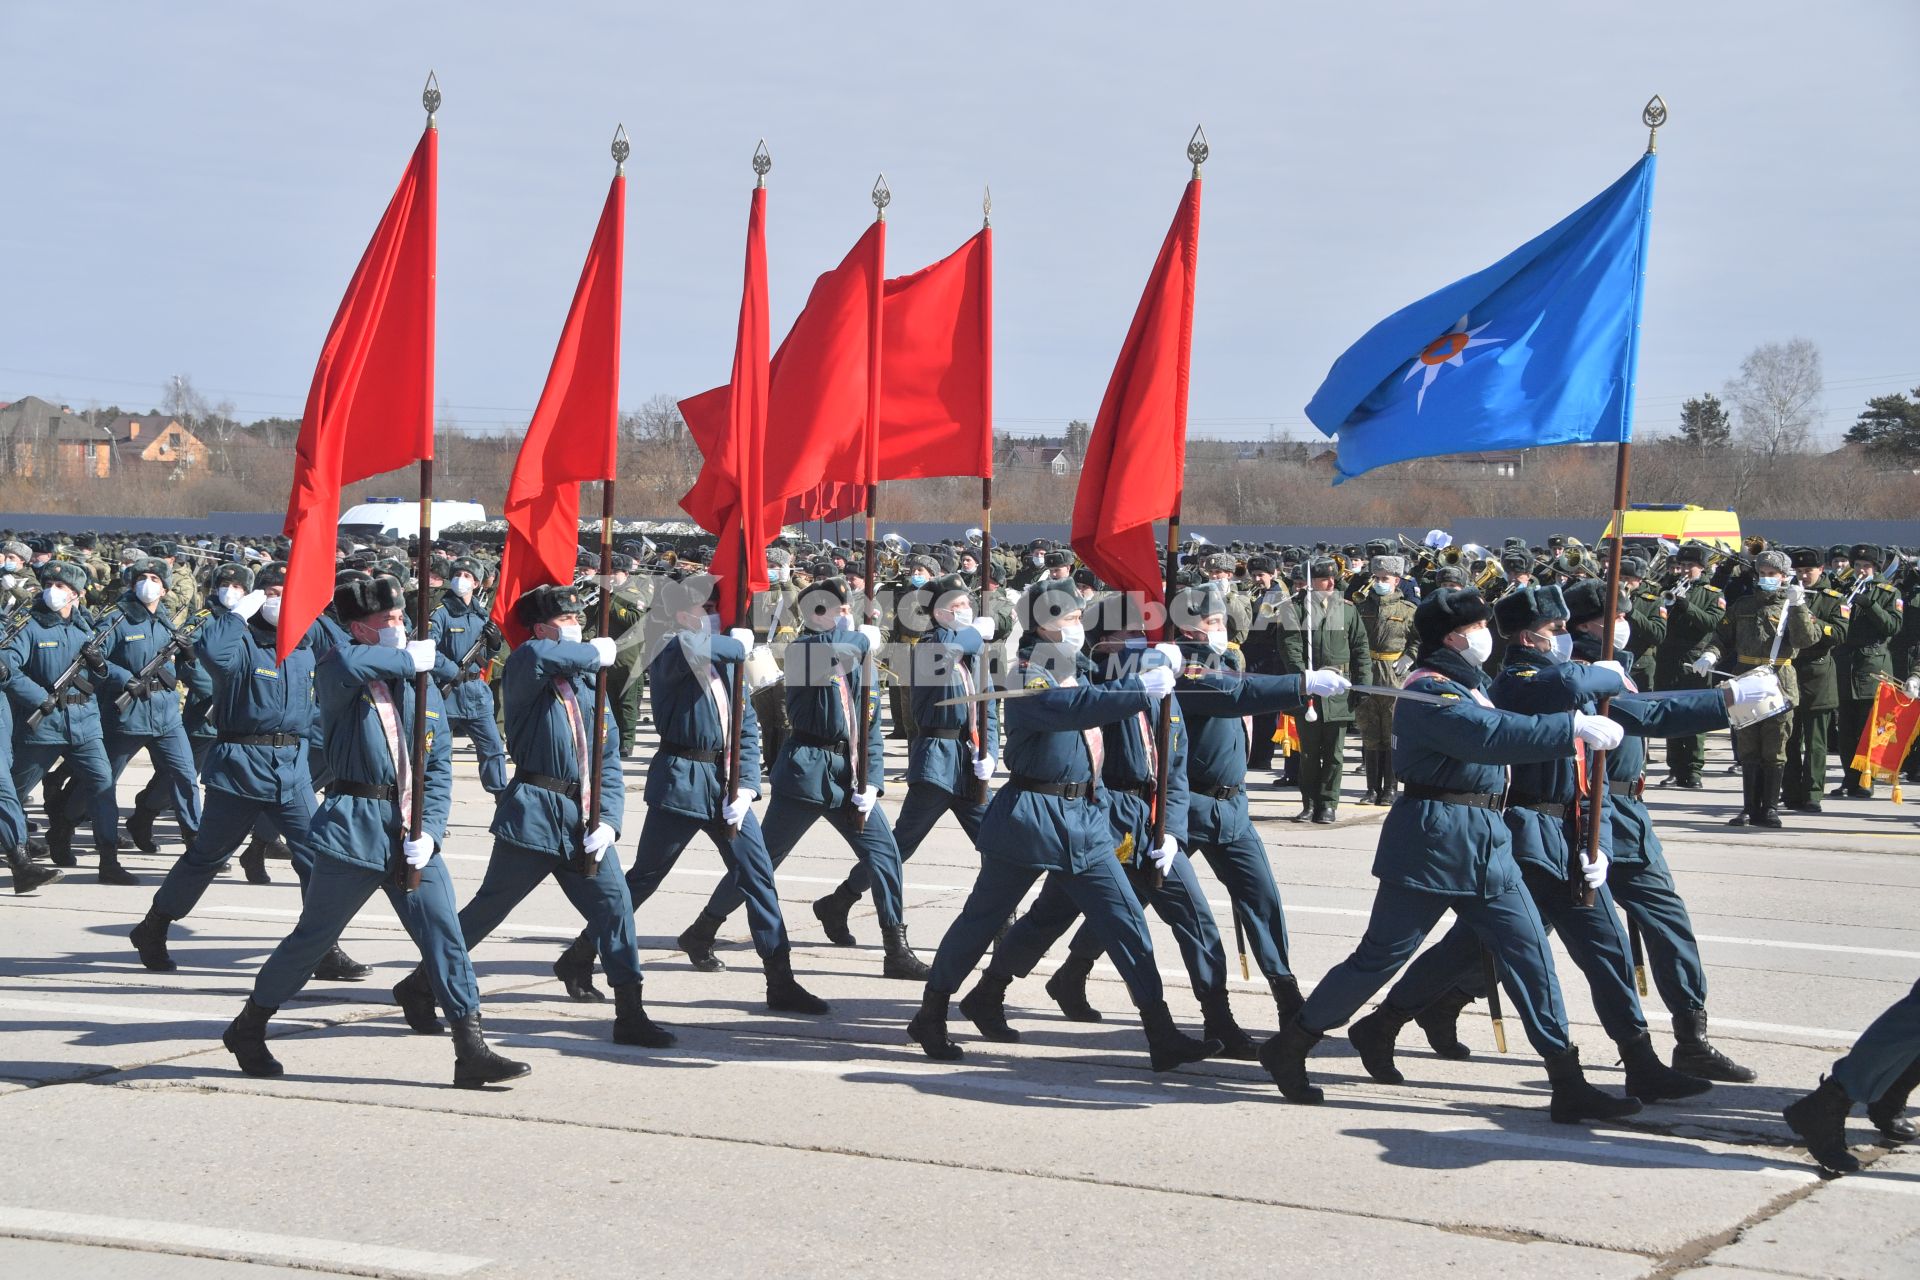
(1051, 819)
(360, 839)
(13, 819)
(1881, 1070)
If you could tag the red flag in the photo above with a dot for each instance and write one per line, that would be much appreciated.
(370, 408)
(936, 400)
(573, 436)
(728, 498)
(1136, 455)
(828, 501)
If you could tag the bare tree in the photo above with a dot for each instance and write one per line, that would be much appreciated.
(1776, 397)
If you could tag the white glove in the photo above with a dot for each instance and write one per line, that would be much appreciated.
(1171, 652)
(598, 841)
(742, 637)
(1754, 686)
(1438, 539)
(1703, 665)
(421, 651)
(1325, 684)
(1913, 686)
(735, 810)
(872, 633)
(1608, 664)
(419, 852)
(863, 801)
(1796, 595)
(249, 604)
(1598, 732)
(985, 626)
(1163, 856)
(605, 647)
(1595, 872)
(983, 767)
(1157, 682)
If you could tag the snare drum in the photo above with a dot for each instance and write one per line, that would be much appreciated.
(763, 669)
(1748, 714)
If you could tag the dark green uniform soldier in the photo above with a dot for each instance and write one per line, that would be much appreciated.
(1325, 634)
(1694, 608)
(1033, 565)
(1387, 615)
(1261, 649)
(1646, 615)
(1814, 672)
(1875, 617)
(626, 678)
(1769, 626)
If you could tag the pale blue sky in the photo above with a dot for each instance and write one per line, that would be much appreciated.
(191, 183)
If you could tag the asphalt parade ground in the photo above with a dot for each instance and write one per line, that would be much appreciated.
(767, 1144)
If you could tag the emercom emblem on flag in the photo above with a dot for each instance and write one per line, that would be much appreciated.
(1443, 351)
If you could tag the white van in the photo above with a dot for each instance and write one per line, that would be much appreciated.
(400, 517)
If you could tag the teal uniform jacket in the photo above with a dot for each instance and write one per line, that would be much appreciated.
(359, 831)
(540, 740)
(1214, 703)
(1458, 850)
(686, 716)
(137, 638)
(254, 695)
(947, 762)
(1129, 780)
(43, 649)
(454, 627)
(1044, 744)
(1533, 684)
(821, 666)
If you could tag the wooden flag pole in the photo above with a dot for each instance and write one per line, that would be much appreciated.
(422, 607)
(869, 701)
(590, 768)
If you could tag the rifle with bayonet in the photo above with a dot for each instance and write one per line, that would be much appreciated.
(147, 680)
(92, 657)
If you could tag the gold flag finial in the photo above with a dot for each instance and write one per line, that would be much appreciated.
(1197, 149)
(430, 98)
(762, 163)
(882, 197)
(1653, 115)
(621, 149)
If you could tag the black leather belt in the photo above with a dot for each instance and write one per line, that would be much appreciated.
(1550, 808)
(946, 735)
(472, 675)
(74, 698)
(1218, 793)
(262, 739)
(690, 753)
(1145, 791)
(361, 790)
(1065, 790)
(1478, 799)
(546, 782)
(1635, 789)
(806, 739)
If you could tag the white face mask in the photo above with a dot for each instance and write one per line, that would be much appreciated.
(1217, 641)
(270, 610)
(1560, 646)
(462, 586)
(712, 624)
(1479, 646)
(569, 631)
(147, 591)
(842, 622)
(1073, 636)
(962, 617)
(228, 596)
(391, 637)
(1622, 632)
(57, 597)
(1037, 561)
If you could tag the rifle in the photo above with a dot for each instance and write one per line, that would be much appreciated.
(146, 679)
(480, 639)
(91, 657)
(16, 622)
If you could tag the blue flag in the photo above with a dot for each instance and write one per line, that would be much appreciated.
(1540, 348)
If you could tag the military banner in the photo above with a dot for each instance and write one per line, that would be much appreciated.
(1888, 736)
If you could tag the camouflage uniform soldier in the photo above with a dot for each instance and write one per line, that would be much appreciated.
(1387, 615)
(626, 678)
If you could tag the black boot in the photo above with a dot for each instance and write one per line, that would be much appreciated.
(1373, 1037)
(1652, 1080)
(985, 1006)
(929, 1027)
(338, 966)
(1370, 761)
(1574, 1100)
(1388, 782)
(631, 1025)
(1441, 1023)
(1749, 786)
(1285, 1058)
(1286, 997)
(1694, 1055)
(149, 938)
(26, 876)
(111, 872)
(414, 995)
(246, 1039)
(697, 942)
(139, 828)
(1169, 1047)
(475, 1066)
(1326, 813)
(1068, 988)
(253, 861)
(831, 911)
(784, 992)
(900, 961)
(1307, 808)
(60, 842)
(1220, 1025)
(1885, 1111)
(1768, 815)
(574, 968)
(1820, 1119)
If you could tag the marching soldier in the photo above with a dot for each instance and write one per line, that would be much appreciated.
(1330, 637)
(1744, 641)
(1814, 671)
(1694, 609)
(17, 583)
(540, 824)
(13, 819)
(366, 691)
(1445, 848)
(1387, 615)
(1881, 1070)
(467, 641)
(1876, 613)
